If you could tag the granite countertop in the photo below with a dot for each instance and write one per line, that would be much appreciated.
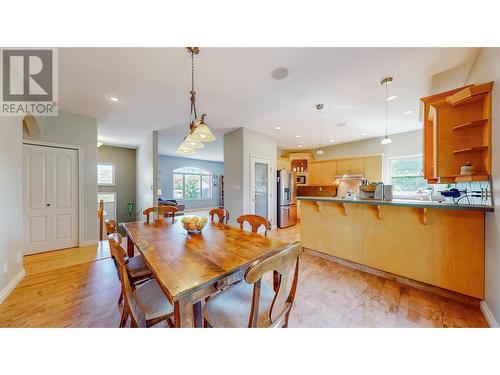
(403, 202)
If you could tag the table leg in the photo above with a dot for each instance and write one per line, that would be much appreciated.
(130, 248)
(187, 314)
(197, 315)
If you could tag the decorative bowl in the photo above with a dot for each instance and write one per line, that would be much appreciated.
(194, 223)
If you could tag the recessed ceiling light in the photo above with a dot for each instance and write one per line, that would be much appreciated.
(278, 128)
(408, 112)
(332, 140)
(391, 98)
(298, 136)
(114, 99)
(301, 146)
(364, 133)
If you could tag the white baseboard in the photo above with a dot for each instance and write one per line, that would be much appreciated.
(490, 318)
(89, 243)
(4, 293)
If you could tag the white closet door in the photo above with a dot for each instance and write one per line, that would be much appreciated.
(50, 198)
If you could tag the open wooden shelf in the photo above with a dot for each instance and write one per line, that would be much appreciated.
(457, 130)
(470, 149)
(471, 177)
(471, 124)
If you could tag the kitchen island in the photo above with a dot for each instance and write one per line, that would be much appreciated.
(439, 244)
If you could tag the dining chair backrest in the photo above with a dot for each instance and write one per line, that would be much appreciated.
(117, 252)
(162, 211)
(110, 226)
(221, 213)
(138, 317)
(255, 222)
(282, 262)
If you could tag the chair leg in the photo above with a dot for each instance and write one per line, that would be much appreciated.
(120, 299)
(124, 318)
(276, 281)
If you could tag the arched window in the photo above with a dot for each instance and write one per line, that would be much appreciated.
(192, 183)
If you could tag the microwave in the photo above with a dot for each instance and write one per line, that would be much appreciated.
(301, 180)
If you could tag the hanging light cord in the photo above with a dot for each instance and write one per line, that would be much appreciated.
(386, 109)
(193, 93)
(319, 138)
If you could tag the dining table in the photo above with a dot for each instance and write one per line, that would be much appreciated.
(190, 267)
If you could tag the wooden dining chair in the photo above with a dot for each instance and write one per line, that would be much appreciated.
(146, 303)
(163, 211)
(252, 303)
(137, 270)
(221, 213)
(255, 222)
(110, 226)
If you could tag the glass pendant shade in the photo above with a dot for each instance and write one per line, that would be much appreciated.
(386, 141)
(202, 133)
(320, 152)
(189, 142)
(184, 150)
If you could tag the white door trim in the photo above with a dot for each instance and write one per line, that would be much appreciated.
(79, 150)
(257, 158)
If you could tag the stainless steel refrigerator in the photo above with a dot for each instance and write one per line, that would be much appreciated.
(287, 198)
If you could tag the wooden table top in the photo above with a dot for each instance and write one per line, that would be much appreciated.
(184, 263)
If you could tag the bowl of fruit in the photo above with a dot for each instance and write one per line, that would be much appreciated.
(194, 223)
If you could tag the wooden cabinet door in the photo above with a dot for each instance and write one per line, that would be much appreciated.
(373, 168)
(329, 171)
(357, 165)
(343, 166)
(314, 173)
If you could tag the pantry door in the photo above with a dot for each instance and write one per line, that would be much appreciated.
(50, 198)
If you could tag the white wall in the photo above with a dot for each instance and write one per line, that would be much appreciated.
(403, 144)
(78, 130)
(239, 146)
(147, 173)
(11, 203)
(487, 68)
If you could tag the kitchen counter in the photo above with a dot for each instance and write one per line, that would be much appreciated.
(402, 203)
(439, 244)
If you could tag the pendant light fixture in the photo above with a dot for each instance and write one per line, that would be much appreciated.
(386, 81)
(199, 132)
(320, 151)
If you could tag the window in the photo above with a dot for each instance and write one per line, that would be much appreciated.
(105, 174)
(192, 183)
(406, 173)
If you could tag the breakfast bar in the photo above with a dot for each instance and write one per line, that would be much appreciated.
(440, 244)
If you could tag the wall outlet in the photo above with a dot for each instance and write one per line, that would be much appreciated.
(19, 257)
(6, 268)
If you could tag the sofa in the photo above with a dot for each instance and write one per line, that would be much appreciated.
(172, 202)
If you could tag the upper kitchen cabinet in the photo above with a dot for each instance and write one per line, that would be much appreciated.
(283, 163)
(351, 166)
(457, 132)
(322, 173)
(373, 168)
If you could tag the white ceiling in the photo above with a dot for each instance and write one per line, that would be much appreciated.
(235, 88)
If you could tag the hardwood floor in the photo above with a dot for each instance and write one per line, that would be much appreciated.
(79, 288)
